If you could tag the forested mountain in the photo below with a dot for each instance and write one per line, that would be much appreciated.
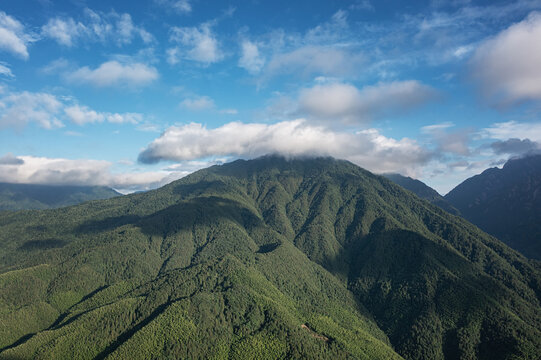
(505, 203)
(423, 191)
(30, 196)
(268, 258)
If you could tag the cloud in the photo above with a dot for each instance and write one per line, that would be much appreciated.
(507, 66)
(337, 101)
(179, 6)
(513, 129)
(5, 71)
(309, 60)
(515, 146)
(49, 111)
(367, 148)
(452, 142)
(95, 27)
(19, 109)
(13, 37)
(251, 59)
(198, 104)
(198, 43)
(81, 115)
(9, 159)
(114, 73)
(362, 5)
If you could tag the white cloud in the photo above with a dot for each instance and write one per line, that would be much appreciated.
(338, 101)
(251, 59)
(452, 142)
(320, 60)
(513, 129)
(507, 66)
(19, 109)
(114, 73)
(172, 55)
(58, 171)
(198, 104)
(49, 111)
(179, 6)
(83, 115)
(5, 71)
(366, 148)
(95, 27)
(13, 37)
(200, 44)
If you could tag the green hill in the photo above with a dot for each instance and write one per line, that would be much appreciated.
(505, 203)
(269, 258)
(30, 196)
(423, 191)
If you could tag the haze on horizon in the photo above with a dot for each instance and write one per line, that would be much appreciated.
(133, 97)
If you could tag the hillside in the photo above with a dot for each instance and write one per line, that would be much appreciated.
(268, 258)
(30, 196)
(505, 203)
(423, 191)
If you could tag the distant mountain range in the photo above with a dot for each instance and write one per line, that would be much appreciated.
(505, 203)
(264, 259)
(29, 196)
(422, 190)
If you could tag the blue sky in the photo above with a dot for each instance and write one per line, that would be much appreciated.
(109, 93)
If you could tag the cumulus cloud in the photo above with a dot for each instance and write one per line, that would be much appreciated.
(19, 109)
(367, 148)
(251, 59)
(515, 146)
(9, 159)
(198, 103)
(83, 115)
(13, 36)
(95, 27)
(507, 66)
(344, 101)
(454, 142)
(114, 73)
(198, 43)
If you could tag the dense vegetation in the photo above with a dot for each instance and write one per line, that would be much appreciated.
(423, 191)
(505, 203)
(30, 196)
(269, 258)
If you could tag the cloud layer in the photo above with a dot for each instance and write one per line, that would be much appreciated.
(114, 73)
(367, 148)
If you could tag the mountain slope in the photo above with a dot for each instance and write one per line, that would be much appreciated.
(423, 191)
(505, 203)
(311, 258)
(29, 196)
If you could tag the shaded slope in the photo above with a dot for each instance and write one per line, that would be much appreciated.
(30, 196)
(505, 203)
(243, 254)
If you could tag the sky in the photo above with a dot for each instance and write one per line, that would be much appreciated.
(134, 95)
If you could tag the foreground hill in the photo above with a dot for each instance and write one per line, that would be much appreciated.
(30, 196)
(267, 258)
(423, 191)
(505, 203)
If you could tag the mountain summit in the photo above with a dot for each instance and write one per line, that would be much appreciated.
(267, 258)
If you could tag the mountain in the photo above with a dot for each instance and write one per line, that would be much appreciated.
(505, 203)
(30, 196)
(423, 191)
(267, 258)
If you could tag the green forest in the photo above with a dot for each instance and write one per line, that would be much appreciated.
(270, 258)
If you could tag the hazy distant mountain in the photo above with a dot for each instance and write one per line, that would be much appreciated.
(422, 190)
(505, 203)
(263, 259)
(29, 196)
